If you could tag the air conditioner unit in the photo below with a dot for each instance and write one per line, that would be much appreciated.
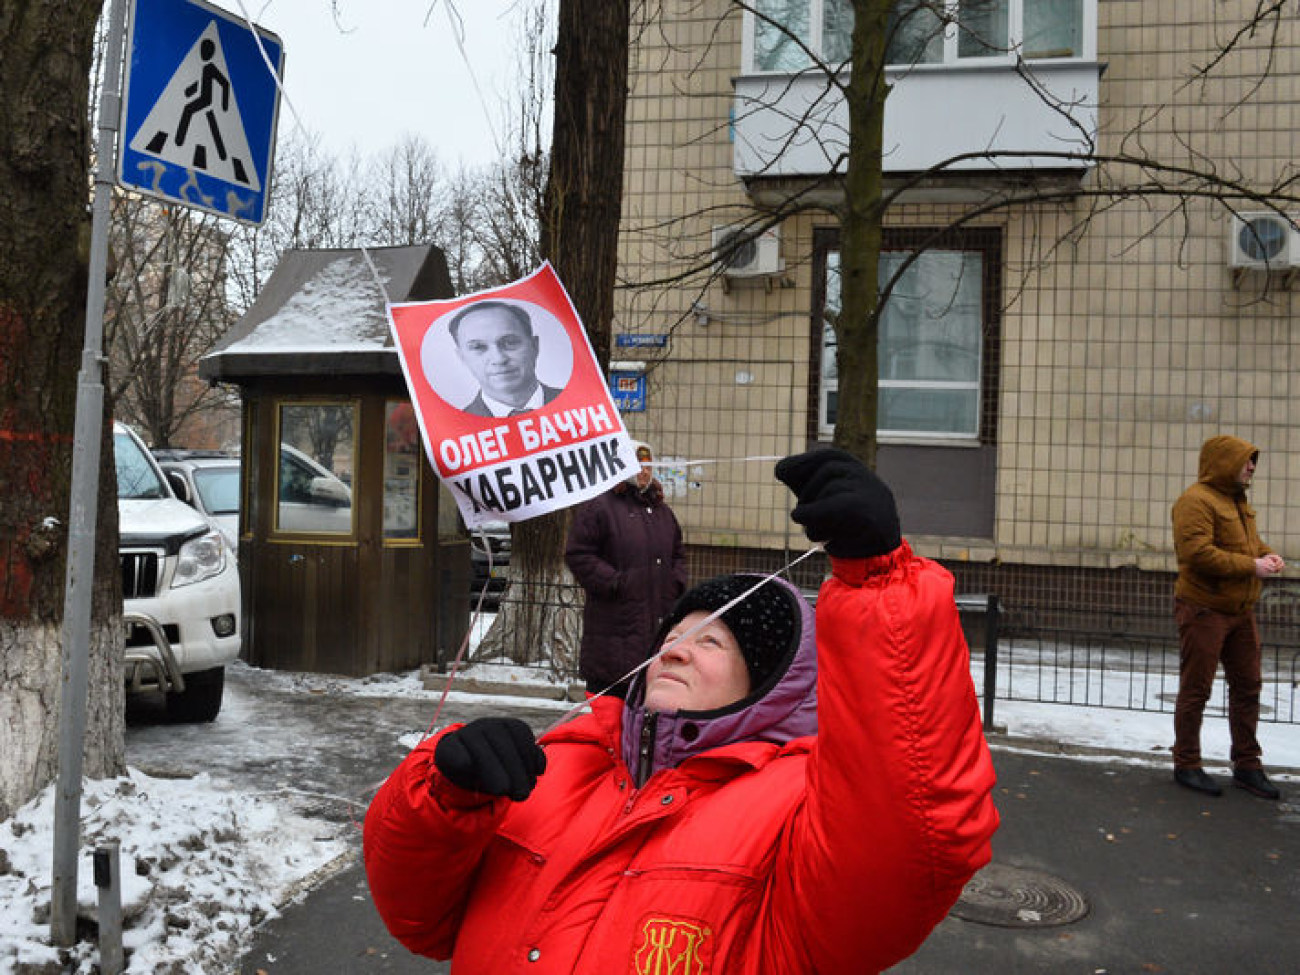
(742, 253)
(1264, 241)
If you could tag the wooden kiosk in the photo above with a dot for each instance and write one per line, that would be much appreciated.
(352, 559)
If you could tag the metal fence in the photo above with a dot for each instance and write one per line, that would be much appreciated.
(1131, 667)
(1129, 663)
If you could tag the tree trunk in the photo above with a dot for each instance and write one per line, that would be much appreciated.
(584, 197)
(857, 330)
(45, 59)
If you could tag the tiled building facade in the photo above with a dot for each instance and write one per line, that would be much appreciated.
(1085, 345)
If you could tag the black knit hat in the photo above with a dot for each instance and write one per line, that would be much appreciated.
(763, 623)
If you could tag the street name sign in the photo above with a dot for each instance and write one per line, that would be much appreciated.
(199, 108)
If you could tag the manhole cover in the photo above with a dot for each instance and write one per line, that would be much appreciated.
(1010, 897)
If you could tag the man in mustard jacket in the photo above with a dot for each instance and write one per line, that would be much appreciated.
(1221, 560)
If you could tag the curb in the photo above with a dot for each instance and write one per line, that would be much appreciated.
(432, 680)
(1157, 758)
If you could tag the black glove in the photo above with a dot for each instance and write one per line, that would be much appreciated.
(495, 756)
(842, 503)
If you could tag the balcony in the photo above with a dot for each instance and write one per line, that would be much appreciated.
(796, 126)
(985, 94)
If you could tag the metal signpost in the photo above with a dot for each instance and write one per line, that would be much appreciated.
(198, 128)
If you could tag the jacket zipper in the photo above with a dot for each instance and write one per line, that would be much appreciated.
(644, 755)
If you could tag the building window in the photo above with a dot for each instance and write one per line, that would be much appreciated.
(782, 34)
(1053, 28)
(828, 400)
(930, 345)
(786, 35)
(401, 471)
(982, 28)
(314, 468)
(837, 31)
(915, 33)
(936, 334)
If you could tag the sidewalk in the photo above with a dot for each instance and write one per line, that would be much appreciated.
(1173, 881)
(1170, 882)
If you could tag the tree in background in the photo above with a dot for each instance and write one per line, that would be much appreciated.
(316, 200)
(409, 203)
(579, 235)
(166, 306)
(509, 198)
(860, 221)
(45, 61)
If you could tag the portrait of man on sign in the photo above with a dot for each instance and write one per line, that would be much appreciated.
(512, 405)
(496, 342)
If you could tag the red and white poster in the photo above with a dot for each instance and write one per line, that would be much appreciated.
(515, 414)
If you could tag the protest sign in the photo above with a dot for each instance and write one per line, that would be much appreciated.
(514, 412)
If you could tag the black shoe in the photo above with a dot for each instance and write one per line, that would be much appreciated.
(1254, 781)
(1196, 778)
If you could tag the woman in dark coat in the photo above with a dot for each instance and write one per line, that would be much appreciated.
(625, 549)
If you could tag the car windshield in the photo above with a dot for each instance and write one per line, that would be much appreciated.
(136, 477)
(218, 487)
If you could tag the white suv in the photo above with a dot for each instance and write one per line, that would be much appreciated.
(208, 481)
(180, 587)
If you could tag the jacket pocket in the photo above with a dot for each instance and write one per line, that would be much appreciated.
(682, 918)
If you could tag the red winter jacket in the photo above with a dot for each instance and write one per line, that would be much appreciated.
(834, 853)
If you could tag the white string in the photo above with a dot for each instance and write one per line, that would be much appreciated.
(577, 708)
(374, 272)
(458, 37)
(713, 460)
(457, 33)
(266, 59)
(464, 644)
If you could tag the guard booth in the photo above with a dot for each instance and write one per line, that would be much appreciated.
(352, 557)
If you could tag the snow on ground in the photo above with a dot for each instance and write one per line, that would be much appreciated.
(199, 865)
(203, 861)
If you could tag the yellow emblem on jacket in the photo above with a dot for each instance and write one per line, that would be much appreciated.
(673, 947)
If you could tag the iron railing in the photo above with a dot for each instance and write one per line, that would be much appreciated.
(1087, 660)
(1133, 666)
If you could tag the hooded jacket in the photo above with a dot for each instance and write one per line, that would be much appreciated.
(625, 549)
(1215, 537)
(753, 846)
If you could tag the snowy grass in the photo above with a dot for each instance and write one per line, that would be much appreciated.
(200, 866)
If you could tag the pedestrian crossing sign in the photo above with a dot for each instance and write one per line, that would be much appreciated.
(199, 108)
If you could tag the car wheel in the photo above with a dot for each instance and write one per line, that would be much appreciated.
(201, 699)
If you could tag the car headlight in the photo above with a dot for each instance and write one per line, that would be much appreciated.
(200, 558)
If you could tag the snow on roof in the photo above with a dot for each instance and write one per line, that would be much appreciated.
(330, 304)
(340, 307)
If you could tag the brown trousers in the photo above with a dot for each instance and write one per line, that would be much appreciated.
(1208, 638)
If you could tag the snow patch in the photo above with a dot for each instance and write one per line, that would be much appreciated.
(341, 307)
(200, 867)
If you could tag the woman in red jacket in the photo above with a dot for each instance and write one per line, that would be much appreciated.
(708, 825)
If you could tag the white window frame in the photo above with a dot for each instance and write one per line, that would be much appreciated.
(828, 385)
(1015, 28)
